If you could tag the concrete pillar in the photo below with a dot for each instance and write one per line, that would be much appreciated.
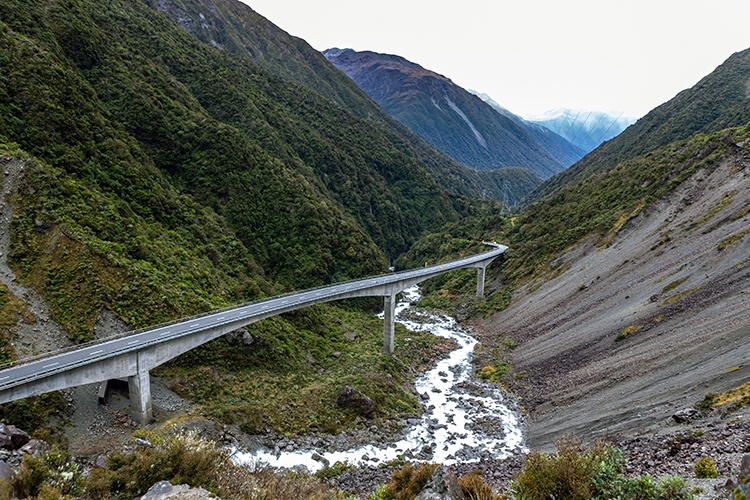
(389, 324)
(480, 282)
(139, 388)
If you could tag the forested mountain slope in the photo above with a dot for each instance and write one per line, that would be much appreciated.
(152, 176)
(450, 118)
(235, 28)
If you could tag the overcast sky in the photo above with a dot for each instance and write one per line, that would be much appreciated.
(535, 55)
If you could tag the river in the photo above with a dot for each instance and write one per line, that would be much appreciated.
(464, 419)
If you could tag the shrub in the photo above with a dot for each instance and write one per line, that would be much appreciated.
(407, 482)
(594, 473)
(568, 473)
(672, 488)
(705, 468)
(475, 488)
(182, 459)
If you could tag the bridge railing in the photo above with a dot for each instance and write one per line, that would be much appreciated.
(137, 331)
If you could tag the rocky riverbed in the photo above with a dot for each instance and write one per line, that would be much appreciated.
(673, 450)
(465, 419)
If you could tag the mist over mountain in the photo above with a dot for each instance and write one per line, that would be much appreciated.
(450, 118)
(562, 148)
(717, 101)
(584, 128)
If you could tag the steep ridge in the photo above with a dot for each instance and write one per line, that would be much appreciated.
(235, 28)
(717, 101)
(445, 115)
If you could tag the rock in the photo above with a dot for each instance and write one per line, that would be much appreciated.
(310, 357)
(686, 415)
(142, 443)
(443, 485)
(239, 336)
(351, 398)
(351, 336)
(12, 438)
(319, 458)
(164, 489)
(36, 448)
(99, 462)
(6, 473)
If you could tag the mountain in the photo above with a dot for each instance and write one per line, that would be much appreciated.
(560, 147)
(584, 128)
(623, 297)
(717, 101)
(445, 115)
(235, 28)
(148, 175)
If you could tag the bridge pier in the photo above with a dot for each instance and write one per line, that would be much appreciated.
(480, 282)
(389, 324)
(139, 389)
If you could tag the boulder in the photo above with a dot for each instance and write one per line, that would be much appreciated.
(6, 473)
(443, 485)
(12, 438)
(351, 398)
(36, 448)
(686, 415)
(239, 336)
(165, 490)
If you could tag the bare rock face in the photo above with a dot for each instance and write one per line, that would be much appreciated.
(349, 397)
(443, 485)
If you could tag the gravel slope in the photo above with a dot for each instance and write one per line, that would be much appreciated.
(685, 303)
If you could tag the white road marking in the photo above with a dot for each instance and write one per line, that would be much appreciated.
(5, 377)
(96, 352)
(133, 342)
(50, 365)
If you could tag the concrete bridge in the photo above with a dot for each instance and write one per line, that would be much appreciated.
(132, 355)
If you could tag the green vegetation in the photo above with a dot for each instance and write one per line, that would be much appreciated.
(674, 284)
(164, 178)
(596, 473)
(180, 459)
(11, 309)
(723, 244)
(495, 372)
(288, 379)
(705, 468)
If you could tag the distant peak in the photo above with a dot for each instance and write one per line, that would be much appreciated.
(334, 52)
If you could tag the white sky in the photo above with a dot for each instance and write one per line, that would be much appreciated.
(534, 55)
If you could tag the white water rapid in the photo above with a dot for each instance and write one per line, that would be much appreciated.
(464, 419)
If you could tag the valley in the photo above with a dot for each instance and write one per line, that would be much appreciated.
(166, 159)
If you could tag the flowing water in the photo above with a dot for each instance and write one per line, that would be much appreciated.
(464, 419)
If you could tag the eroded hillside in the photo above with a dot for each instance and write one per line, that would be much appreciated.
(628, 329)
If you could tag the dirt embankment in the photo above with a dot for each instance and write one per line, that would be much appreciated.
(674, 286)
